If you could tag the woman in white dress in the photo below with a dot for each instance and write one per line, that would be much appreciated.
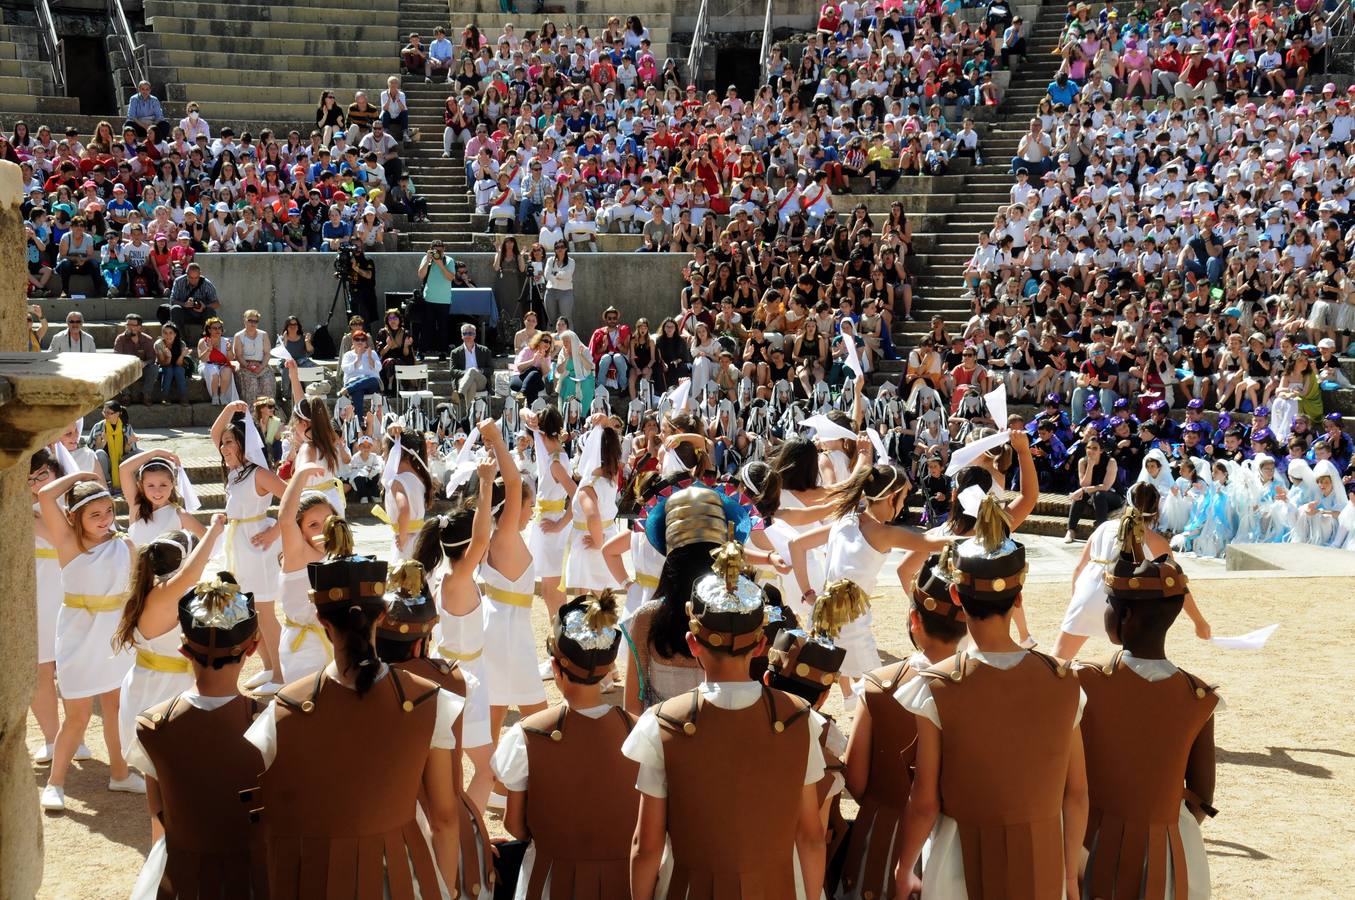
(154, 504)
(450, 548)
(547, 534)
(43, 468)
(859, 540)
(594, 515)
(164, 570)
(307, 537)
(96, 569)
(408, 487)
(508, 583)
(251, 534)
(1087, 608)
(313, 431)
(251, 346)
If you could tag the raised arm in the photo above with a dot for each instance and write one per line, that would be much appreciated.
(508, 470)
(1024, 504)
(59, 528)
(293, 541)
(482, 526)
(191, 573)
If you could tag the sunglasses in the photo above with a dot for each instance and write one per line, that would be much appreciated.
(252, 321)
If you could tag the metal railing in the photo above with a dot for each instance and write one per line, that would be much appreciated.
(125, 40)
(51, 43)
(698, 44)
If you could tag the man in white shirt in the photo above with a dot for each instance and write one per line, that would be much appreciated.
(73, 339)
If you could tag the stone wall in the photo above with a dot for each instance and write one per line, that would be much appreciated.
(282, 284)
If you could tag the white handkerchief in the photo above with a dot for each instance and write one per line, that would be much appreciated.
(971, 498)
(393, 460)
(996, 399)
(254, 451)
(972, 451)
(191, 503)
(280, 352)
(1252, 640)
(680, 394)
(63, 456)
(881, 454)
(825, 429)
(853, 357)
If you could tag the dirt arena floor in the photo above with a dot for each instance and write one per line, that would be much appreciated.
(1286, 747)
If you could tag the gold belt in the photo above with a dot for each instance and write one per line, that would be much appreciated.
(511, 598)
(583, 526)
(95, 603)
(302, 631)
(158, 662)
(44, 553)
(333, 483)
(380, 513)
(647, 581)
(230, 536)
(458, 657)
(549, 506)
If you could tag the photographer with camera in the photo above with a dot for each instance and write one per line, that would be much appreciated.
(353, 265)
(436, 274)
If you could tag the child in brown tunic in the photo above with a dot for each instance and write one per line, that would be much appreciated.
(402, 639)
(569, 788)
(1149, 738)
(196, 760)
(884, 741)
(999, 769)
(754, 748)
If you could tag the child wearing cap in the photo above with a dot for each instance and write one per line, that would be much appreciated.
(571, 792)
(1148, 736)
(999, 787)
(765, 829)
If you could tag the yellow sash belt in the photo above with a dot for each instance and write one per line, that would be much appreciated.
(458, 657)
(158, 662)
(549, 506)
(380, 513)
(95, 603)
(302, 631)
(333, 484)
(511, 598)
(647, 581)
(44, 553)
(583, 526)
(230, 536)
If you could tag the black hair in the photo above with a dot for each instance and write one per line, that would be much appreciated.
(682, 568)
(354, 625)
(763, 484)
(797, 462)
(961, 523)
(237, 430)
(550, 422)
(938, 625)
(870, 483)
(412, 449)
(445, 537)
(158, 559)
(44, 458)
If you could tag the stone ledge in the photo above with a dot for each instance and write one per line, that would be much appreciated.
(44, 393)
(1299, 559)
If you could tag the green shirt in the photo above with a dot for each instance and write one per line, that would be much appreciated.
(437, 289)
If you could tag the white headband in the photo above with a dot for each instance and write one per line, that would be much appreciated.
(97, 495)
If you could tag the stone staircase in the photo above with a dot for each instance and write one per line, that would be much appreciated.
(251, 64)
(26, 84)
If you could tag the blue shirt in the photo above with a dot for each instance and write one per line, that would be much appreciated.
(145, 108)
(1062, 94)
(330, 230)
(440, 49)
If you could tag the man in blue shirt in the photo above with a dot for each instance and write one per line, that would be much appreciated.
(1061, 90)
(144, 113)
(335, 230)
(321, 166)
(440, 53)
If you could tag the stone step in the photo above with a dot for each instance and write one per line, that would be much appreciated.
(369, 51)
(312, 61)
(571, 8)
(365, 14)
(22, 102)
(231, 29)
(342, 83)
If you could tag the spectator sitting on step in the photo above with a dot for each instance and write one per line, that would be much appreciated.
(472, 368)
(73, 338)
(386, 148)
(133, 341)
(440, 55)
(144, 113)
(192, 299)
(335, 230)
(75, 256)
(395, 109)
(361, 116)
(414, 56)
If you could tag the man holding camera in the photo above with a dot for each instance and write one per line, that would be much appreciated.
(354, 264)
(437, 273)
(192, 300)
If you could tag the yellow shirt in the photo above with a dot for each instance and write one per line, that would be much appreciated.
(881, 154)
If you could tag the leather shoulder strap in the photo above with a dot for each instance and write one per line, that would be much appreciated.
(153, 717)
(411, 690)
(1106, 666)
(953, 669)
(301, 696)
(626, 718)
(784, 709)
(1056, 665)
(1201, 688)
(547, 723)
(679, 713)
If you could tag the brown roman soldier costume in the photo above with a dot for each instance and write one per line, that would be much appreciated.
(202, 761)
(868, 870)
(581, 798)
(409, 618)
(1005, 739)
(735, 776)
(1138, 735)
(340, 797)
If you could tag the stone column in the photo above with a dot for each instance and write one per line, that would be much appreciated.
(39, 396)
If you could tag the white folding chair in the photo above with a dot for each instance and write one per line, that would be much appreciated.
(416, 400)
(313, 380)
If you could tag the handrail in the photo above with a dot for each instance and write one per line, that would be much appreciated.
(51, 42)
(126, 39)
(698, 44)
(764, 54)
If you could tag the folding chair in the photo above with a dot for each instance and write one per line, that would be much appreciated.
(416, 400)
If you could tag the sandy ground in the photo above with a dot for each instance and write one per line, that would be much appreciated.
(1286, 747)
